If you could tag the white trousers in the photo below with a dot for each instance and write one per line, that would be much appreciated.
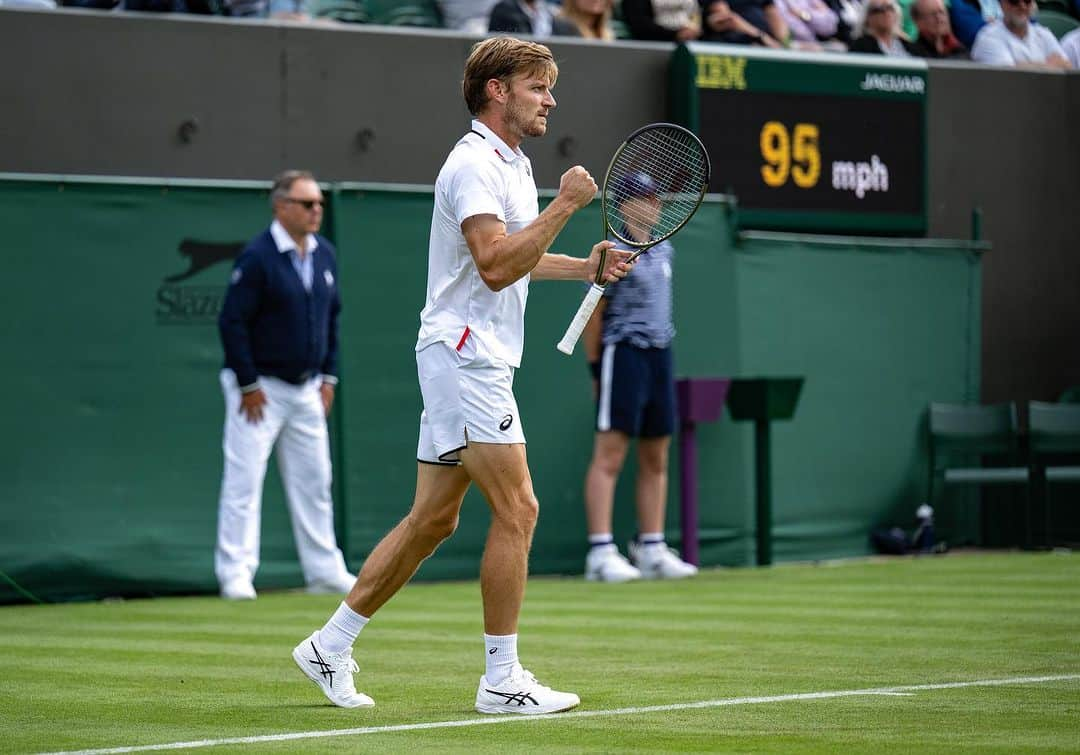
(293, 419)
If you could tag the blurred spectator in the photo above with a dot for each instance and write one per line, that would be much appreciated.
(764, 15)
(935, 38)
(246, 8)
(470, 16)
(528, 17)
(591, 18)
(1015, 41)
(810, 21)
(969, 16)
(289, 10)
(1070, 43)
(907, 25)
(879, 31)
(155, 6)
(847, 12)
(663, 20)
(285, 10)
(725, 25)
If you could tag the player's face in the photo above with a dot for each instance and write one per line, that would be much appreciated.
(527, 105)
(301, 210)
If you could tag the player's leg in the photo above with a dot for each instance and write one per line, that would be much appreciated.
(501, 472)
(440, 490)
(617, 409)
(303, 455)
(650, 552)
(246, 448)
(441, 483)
(325, 657)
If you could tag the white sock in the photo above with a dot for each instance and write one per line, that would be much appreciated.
(500, 655)
(340, 632)
(603, 538)
(651, 539)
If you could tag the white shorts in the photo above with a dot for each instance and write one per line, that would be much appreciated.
(468, 395)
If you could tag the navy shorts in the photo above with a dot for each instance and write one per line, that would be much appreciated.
(637, 391)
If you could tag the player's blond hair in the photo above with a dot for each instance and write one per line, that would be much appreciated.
(503, 58)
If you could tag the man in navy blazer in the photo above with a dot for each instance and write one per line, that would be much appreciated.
(279, 329)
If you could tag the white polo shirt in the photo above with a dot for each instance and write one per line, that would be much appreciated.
(481, 176)
(997, 46)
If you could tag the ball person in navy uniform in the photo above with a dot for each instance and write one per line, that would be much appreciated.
(628, 346)
(279, 329)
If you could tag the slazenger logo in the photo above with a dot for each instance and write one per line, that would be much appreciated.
(506, 422)
(194, 305)
(887, 82)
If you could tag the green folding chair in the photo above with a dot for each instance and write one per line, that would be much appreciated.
(976, 445)
(423, 13)
(1059, 23)
(1054, 433)
(346, 11)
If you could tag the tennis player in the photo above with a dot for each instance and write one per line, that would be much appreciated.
(487, 242)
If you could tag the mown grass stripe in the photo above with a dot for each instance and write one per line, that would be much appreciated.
(795, 697)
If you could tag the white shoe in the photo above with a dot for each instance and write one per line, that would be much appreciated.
(604, 563)
(332, 672)
(340, 585)
(521, 693)
(658, 561)
(238, 588)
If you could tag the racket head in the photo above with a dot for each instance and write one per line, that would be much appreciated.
(654, 184)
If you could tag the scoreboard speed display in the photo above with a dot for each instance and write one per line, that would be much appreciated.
(813, 142)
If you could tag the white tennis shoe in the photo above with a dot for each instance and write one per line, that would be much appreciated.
(658, 561)
(339, 585)
(238, 588)
(604, 563)
(520, 693)
(331, 672)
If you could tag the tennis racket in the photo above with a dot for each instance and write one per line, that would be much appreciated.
(654, 184)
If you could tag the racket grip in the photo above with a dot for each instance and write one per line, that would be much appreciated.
(581, 319)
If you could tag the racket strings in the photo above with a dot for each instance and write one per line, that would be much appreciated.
(666, 169)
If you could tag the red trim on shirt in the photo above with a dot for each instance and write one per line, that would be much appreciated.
(464, 335)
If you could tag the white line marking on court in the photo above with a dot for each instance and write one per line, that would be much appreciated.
(487, 721)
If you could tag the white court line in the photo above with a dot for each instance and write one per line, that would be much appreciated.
(489, 720)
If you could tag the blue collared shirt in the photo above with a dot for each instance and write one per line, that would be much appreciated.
(304, 266)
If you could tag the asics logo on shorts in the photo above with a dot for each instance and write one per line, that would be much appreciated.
(506, 422)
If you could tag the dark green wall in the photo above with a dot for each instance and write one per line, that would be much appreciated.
(110, 468)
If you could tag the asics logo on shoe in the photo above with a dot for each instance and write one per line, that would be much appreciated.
(324, 667)
(521, 698)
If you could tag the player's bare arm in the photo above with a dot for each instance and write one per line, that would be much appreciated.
(502, 258)
(563, 267)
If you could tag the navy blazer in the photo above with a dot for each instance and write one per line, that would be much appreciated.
(270, 325)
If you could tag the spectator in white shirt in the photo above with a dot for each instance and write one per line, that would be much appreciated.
(1070, 43)
(1015, 41)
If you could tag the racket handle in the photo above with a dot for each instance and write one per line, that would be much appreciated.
(581, 319)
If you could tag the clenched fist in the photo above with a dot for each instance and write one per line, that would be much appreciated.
(577, 187)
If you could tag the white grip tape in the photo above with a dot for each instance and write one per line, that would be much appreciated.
(581, 319)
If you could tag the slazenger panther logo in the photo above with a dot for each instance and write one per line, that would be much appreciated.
(506, 422)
